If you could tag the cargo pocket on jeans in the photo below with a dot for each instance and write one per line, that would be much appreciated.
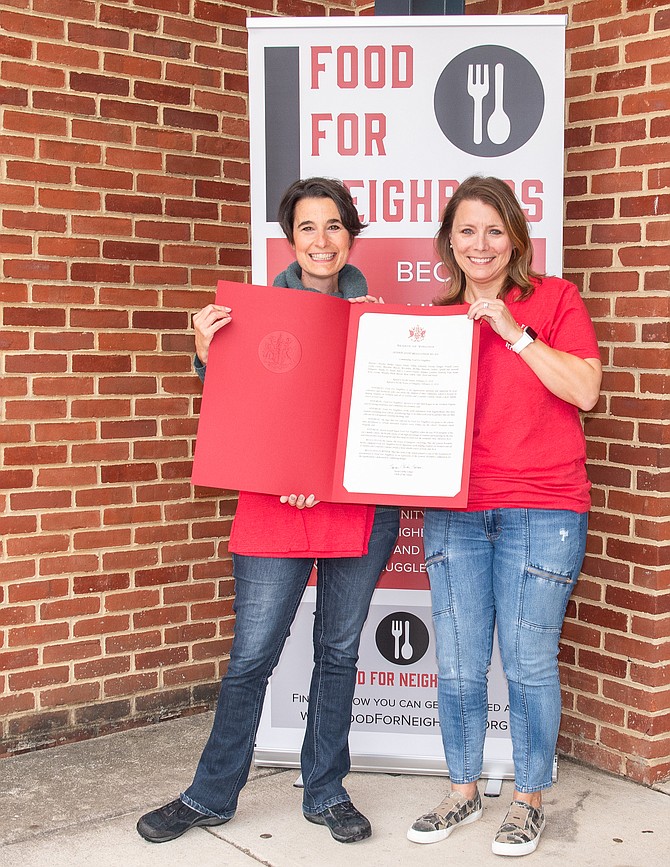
(544, 599)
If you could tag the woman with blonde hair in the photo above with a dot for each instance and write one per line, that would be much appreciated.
(513, 556)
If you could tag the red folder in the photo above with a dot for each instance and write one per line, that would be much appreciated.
(275, 407)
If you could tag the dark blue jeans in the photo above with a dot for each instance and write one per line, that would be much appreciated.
(268, 591)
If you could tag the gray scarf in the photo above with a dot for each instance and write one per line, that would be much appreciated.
(350, 281)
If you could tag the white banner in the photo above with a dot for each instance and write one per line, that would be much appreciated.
(401, 109)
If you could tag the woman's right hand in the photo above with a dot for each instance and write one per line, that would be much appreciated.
(300, 501)
(205, 324)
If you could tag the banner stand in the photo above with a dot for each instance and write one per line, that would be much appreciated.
(401, 109)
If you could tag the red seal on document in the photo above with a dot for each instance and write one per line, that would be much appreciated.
(417, 333)
(280, 351)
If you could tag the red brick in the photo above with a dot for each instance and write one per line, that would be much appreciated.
(163, 93)
(101, 625)
(196, 120)
(160, 658)
(101, 36)
(635, 156)
(616, 182)
(69, 200)
(646, 102)
(18, 659)
(13, 47)
(580, 635)
(39, 677)
(135, 599)
(100, 668)
(34, 636)
(600, 710)
(635, 601)
(190, 674)
(71, 651)
(133, 204)
(66, 103)
(65, 55)
(32, 25)
(622, 79)
(104, 178)
(160, 616)
(66, 565)
(69, 695)
(131, 684)
(34, 123)
(577, 726)
(16, 703)
(624, 645)
(647, 49)
(129, 19)
(65, 608)
(650, 676)
(132, 641)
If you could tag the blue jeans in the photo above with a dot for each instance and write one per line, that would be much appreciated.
(268, 591)
(516, 567)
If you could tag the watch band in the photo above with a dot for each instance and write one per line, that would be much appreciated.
(528, 336)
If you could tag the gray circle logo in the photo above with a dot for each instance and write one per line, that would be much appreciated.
(489, 101)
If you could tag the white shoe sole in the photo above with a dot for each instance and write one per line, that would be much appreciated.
(436, 836)
(517, 849)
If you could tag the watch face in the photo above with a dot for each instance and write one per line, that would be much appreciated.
(531, 332)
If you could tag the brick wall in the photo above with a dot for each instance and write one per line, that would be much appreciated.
(124, 196)
(616, 640)
(124, 192)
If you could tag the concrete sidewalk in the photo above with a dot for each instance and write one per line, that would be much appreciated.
(77, 805)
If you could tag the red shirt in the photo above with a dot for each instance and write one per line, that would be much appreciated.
(528, 446)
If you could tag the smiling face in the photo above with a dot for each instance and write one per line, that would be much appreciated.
(481, 247)
(321, 242)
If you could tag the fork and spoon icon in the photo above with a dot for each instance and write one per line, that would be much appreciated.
(397, 630)
(498, 126)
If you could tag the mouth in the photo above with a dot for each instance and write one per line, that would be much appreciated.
(322, 257)
(481, 261)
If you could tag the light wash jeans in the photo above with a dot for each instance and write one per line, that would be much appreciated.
(268, 591)
(516, 568)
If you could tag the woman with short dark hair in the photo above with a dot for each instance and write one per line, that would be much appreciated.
(275, 542)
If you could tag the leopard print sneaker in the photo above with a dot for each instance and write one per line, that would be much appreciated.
(454, 810)
(520, 833)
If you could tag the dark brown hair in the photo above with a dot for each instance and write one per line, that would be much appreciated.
(319, 188)
(496, 193)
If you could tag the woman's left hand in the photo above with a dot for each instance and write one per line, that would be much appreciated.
(300, 501)
(573, 379)
(370, 298)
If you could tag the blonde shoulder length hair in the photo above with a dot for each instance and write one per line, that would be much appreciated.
(496, 193)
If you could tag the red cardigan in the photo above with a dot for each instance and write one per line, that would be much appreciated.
(264, 527)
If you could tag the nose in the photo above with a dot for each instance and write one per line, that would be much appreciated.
(482, 240)
(321, 238)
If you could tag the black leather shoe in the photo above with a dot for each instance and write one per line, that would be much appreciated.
(171, 821)
(344, 821)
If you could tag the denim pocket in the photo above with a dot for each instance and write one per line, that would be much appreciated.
(556, 551)
(544, 600)
(440, 591)
(541, 573)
